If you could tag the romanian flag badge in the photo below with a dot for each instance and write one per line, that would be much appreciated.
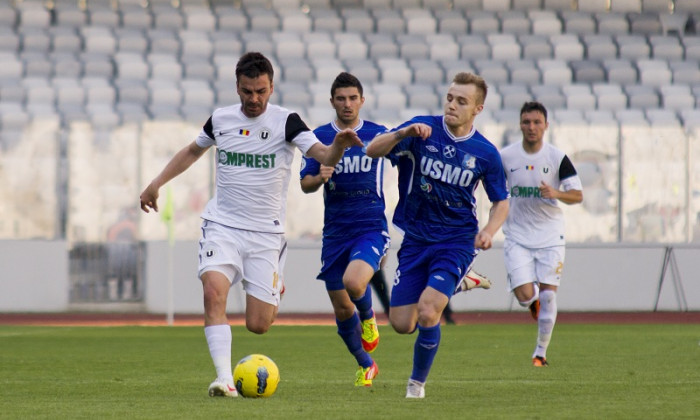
(243, 132)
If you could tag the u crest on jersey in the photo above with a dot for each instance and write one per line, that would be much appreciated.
(264, 134)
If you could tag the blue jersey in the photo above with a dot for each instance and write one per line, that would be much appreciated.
(444, 173)
(354, 196)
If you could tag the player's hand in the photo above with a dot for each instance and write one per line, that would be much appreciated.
(149, 198)
(483, 240)
(418, 130)
(547, 191)
(348, 138)
(326, 172)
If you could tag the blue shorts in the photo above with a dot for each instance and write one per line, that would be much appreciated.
(439, 265)
(337, 254)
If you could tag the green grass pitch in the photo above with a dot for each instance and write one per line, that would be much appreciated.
(480, 371)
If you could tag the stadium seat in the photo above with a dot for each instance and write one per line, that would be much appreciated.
(365, 70)
(625, 6)
(580, 23)
(326, 20)
(599, 46)
(593, 6)
(654, 72)
(394, 70)
(351, 46)
(514, 95)
(620, 71)
(263, 20)
(644, 23)
(473, 47)
(496, 5)
(451, 21)
(442, 47)
(296, 21)
(685, 72)
(633, 46)
(482, 22)
(579, 96)
(426, 71)
(453, 66)
(666, 47)
(673, 24)
(550, 96)
(389, 22)
(555, 72)
(326, 69)
(389, 96)
(422, 96)
(523, 71)
(504, 47)
(34, 39)
(230, 19)
(515, 22)
(658, 6)
(535, 46)
(566, 47)
(588, 71)
(677, 97)
(641, 96)
(412, 46)
(33, 14)
(467, 4)
(686, 6)
(612, 23)
(419, 21)
(98, 39)
(609, 97)
(545, 22)
(558, 5)
(357, 20)
(494, 71)
(136, 17)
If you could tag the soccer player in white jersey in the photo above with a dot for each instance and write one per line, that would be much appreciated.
(355, 231)
(539, 177)
(450, 158)
(243, 224)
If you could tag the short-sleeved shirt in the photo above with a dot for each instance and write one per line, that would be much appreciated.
(438, 198)
(534, 221)
(254, 157)
(354, 195)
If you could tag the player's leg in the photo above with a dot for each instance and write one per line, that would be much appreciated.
(378, 282)
(217, 271)
(356, 280)
(522, 278)
(549, 264)
(350, 331)
(218, 332)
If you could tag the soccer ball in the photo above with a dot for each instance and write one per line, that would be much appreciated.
(256, 376)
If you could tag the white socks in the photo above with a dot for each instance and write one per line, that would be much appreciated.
(546, 321)
(219, 341)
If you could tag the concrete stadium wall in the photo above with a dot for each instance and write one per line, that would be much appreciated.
(620, 277)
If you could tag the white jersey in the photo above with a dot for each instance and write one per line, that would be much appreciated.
(254, 157)
(533, 221)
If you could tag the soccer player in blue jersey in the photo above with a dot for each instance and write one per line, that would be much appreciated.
(355, 235)
(449, 160)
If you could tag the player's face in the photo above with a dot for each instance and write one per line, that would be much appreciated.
(533, 126)
(347, 102)
(254, 94)
(461, 105)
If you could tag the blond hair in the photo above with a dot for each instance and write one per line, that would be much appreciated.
(465, 78)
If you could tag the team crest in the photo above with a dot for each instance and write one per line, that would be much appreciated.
(264, 134)
(425, 185)
(469, 162)
(449, 151)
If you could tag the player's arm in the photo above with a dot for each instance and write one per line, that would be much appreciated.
(311, 183)
(566, 197)
(384, 143)
(330, 155)
(497, 216)
(177, 165)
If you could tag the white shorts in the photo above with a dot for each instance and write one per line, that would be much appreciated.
(256, 258)
(536, 265)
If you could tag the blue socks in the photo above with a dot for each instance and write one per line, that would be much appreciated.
(424, 351)
(364, 305)
(351, 333)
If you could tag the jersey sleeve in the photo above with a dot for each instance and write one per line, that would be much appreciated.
(206, 137)
(568, 176)
(495, 179)
(296, 131)
(309, 166)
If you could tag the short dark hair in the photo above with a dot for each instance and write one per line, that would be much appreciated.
(254, 65)
(346, 79)
(534, 106)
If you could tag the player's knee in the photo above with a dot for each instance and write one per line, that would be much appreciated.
(354, 287)
(257, 326)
